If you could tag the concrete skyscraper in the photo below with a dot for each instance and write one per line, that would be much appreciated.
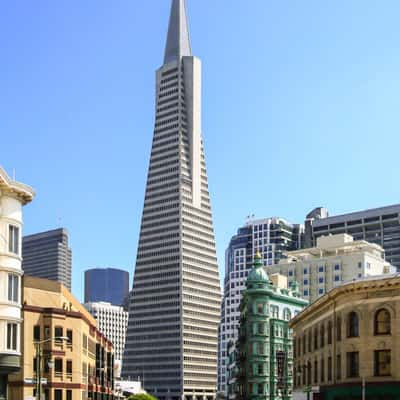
(175, 305)
(48, 255)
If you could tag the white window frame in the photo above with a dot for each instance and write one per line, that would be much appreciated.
(13, 290)
(13, 233)
(16, 331)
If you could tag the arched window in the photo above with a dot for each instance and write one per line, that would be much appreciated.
(382, 322)
(322, 334)
(329, 332)
(352, 324)
(287, 315)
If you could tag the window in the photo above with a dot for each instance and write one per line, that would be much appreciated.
(290, 273)
(321, 268)
(338, 329)
(260, 388)
(58, 365)
(309, 341)
(352, 364)
(321, 279)
(13, 285)
(69, 336)
(305, 292)
(329, 332)
(69, 394)
(337, 278)
(315, 371)
(13, 239)
(287, 315)
(58, 394)
(36, 332)
(337, 267)
(12, 333)
(352, 322)
(260, 369)
(315, 338)
(260, 348)
(305, 271)
(58, 332)
(69, 367)
(338, 366)
(382, 361)
(275, 311)
(359, 264)
(322, 368)
(305, 282)
(260, 328)
(322, 334)
(46, 332)
(329, 368)
(260, 308)
(34, 364)
(320, 291)
(382, 322)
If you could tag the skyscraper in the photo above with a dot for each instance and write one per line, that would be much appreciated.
(47, 255)
(175, 305)
(109, 285)
(269, 236)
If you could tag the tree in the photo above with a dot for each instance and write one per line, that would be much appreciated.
(141, 397)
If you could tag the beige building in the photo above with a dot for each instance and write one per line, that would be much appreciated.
(349, 337)
(76, 359)
(335, 259)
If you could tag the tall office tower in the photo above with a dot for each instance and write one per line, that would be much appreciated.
(110, 285)
(175, 305)
(379, 225)
(271, 237)
(47, 255)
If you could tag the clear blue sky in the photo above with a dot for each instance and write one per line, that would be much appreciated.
(301, 109)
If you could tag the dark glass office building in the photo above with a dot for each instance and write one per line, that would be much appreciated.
(106, 284)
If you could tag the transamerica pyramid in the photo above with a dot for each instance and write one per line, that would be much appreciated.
(174, 309)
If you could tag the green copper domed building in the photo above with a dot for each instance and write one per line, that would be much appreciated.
(260, 364)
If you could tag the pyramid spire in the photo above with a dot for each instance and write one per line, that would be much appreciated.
(178, 41)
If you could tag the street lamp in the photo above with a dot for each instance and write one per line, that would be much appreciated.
(38, 344)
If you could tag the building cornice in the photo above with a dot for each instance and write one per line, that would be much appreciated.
(20, 191)
(362, 285)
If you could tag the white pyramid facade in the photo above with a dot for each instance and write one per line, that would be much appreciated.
(175, 306)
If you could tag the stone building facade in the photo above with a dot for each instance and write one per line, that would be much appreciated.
(350, 338)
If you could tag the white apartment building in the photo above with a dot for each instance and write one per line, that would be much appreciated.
(335, 259)
(13, 196)
(112, 321)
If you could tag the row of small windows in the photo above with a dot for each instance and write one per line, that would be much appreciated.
(382, 367)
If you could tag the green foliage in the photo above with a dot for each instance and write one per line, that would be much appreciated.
(141, 397)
